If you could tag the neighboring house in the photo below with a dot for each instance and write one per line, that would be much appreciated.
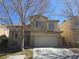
(44, 32)
(70, 30)
(40, 33)
(4, 34)
(4, 30)
(13, 34)
(15, 37)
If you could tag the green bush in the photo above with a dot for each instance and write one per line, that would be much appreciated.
(3, 41)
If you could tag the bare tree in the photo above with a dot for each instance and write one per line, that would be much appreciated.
(24, 9)
(71, 8)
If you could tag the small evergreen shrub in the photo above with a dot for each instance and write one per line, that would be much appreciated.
(3, 41)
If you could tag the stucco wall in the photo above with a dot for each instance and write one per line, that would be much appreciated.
(4, 30)
(40, 19)
(68, 33)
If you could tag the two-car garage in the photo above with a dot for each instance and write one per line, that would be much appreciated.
(44, 40)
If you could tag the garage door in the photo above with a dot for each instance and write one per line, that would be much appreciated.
(44, 41)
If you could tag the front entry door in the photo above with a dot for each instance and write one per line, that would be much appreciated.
(27, 39)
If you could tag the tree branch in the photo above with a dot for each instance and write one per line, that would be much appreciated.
(7, 12)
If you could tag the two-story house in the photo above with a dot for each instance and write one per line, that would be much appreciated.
(40, 33)
(44, 32)
(70, 30)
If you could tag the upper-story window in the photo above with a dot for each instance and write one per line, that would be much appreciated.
(39, 24)
(51, 26)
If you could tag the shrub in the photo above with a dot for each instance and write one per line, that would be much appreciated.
(3, 41)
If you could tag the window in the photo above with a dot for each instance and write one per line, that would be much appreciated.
(39, 24)
(51, 27)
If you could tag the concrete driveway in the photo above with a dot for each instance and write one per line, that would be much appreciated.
(54, 53)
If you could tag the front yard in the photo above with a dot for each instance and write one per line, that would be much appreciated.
(47, 53)
(27, 52)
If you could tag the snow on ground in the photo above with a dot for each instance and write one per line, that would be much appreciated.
(54, 53)
(17, 57)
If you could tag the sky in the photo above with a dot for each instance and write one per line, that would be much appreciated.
(54, 8)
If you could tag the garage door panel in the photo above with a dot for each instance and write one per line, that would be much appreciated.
(45, 41)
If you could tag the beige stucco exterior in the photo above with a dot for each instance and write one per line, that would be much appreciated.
(4, 30)
(39, 18)
(42, 36)
(70, 30)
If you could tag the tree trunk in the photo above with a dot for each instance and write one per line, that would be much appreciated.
(23, 31)
(22, 46)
